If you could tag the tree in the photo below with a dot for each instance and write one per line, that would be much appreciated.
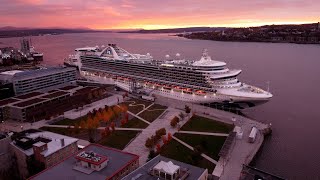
(151, 155)
(161, 132)
(76, 128)
(107, 131)
(158, 148)
(126, 117)
(83, 124)
(173, 123)
(113, 125)
(169, 136)
(149, 143)
(164, 140)
(123, 122)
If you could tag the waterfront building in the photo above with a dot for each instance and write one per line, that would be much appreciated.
(5, 155)
(93, 162)
(36, 106)
(41, 79)
(168, 169)
(41, 148)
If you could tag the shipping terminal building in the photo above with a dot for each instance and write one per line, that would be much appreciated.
(40, 79)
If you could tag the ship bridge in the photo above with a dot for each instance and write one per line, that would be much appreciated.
(207, 62)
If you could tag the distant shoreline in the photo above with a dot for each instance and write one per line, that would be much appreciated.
(264, 41)
(42, 32)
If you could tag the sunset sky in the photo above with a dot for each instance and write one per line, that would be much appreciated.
(154, 14)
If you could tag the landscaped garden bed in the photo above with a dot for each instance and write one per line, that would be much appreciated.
(209, 145)
(118, 139)
(202, 124)
(177, 151)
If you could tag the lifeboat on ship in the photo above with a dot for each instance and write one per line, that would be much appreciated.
(201, 92)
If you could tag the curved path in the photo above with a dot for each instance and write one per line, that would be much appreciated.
(133, 103)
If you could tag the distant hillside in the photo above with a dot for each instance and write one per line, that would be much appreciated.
(19, 32)
(177, 30)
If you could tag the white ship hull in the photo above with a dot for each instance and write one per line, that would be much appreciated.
(212, 98)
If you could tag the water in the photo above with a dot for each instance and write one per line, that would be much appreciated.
(291, 69)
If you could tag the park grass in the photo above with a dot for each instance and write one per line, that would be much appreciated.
(209, 145)
(177, 151)
(135, 123)
(202, 124)
(153, 112)
(136, 107)
(118, 139)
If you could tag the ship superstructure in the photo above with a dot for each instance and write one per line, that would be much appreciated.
(204, 81)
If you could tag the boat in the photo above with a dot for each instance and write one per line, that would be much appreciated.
(203, 81)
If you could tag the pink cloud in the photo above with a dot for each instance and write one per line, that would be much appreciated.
(146, 13)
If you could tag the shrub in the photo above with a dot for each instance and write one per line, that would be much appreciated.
(158, 148)
(151, 155)
(169, 136)
(149, 143)
(161, 132)
(164, 140)
(174, 121)
(113, 125)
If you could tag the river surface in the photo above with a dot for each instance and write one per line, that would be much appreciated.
(293, 72)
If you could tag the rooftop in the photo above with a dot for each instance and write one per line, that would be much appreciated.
(40, 72)
(53, 141)
(142, 173)
(7, 101)
(11, 73)
(55, 94)
(28, 95)
(68, 87)
(64, 170)
(85, 89)
(29, 102)
(91, 157)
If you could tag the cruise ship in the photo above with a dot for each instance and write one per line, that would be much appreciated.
(203, 81)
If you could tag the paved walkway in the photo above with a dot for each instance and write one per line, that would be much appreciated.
(137, 145)
(190, 147)
(145, 109)
(203, 133)
(242, 152)
(134, 115)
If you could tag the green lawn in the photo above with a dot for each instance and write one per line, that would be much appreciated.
(136, 108)
(202, 124)
(153, 112)
(135, 123)
(177, 151)
(210, 145)
(118, 139)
